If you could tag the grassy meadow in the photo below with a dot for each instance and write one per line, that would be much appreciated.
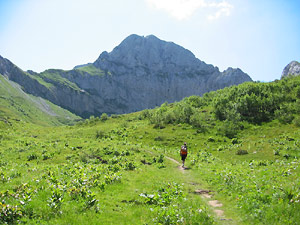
(243, 145)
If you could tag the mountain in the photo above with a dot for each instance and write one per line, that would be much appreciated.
(142, 72)
(292, 69)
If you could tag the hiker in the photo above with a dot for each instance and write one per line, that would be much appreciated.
(183, 153)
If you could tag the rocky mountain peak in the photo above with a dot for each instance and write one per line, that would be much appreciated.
(292, 69)
(151, 53)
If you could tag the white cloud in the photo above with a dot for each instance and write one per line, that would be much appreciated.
(223, 9)
(183, 9)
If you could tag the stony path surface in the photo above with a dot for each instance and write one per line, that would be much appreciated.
(215, 204)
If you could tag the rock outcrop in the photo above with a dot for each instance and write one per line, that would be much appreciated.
(292, 69)
(142, 72)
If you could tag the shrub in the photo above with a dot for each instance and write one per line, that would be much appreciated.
(116, 153)
(9, 214)
(197, 121)
(234, 141)
(183, 112)
(158, 138)
(114, 116)
(297, 91)
(229, 129)
(296, 121)
(253, 102)
(104, 117)
(211, 139)
(160, 159)
(100, 134)
(56, 199)
(164, 196)
(145, 114)
(276, 152)
(130, 166)
(241, 152)
(220, 148)
(196, 101)
(31, 157)
(46, 156)
(284, 114)
(159, 126)
(124, 124)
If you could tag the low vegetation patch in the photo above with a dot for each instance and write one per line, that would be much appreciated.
(243, 145)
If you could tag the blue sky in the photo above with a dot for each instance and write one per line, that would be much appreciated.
(260, 37)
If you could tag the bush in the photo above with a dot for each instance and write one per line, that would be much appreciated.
(31, 157)
(9, 214)
(196, 101)
(159, 126)
(160, 159)
(241, 152)
(46, 156)
(114, 116)
(296, 121)
(297, 92)
(276, 152)
(253, 102)
(158, 138)
(229, 129)
(234, 141)
(198, 122)
(130, 166)
(284, 114)
(104, 117)
(145, 114)
(211, 139)
(100, 134)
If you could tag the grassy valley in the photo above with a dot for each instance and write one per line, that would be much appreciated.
(244, 151)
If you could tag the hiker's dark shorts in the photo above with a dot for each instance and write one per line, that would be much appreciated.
(183, 157)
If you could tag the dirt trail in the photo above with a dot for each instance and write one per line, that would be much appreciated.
(204, 193)
(182, 169)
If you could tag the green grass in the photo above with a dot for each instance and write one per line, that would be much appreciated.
(91, 70)
(115, 171)
(73, 163)
(74, 153)
(41, 81)
(55, 77)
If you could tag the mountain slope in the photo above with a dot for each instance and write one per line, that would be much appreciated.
(140, 73)
(16, 104)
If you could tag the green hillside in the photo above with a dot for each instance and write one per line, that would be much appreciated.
(16, 104)
(242, 167)
(91, 70)
(57, 77)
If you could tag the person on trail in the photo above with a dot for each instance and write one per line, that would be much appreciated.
(183, 153)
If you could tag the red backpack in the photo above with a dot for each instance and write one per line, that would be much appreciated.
(183, 150)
